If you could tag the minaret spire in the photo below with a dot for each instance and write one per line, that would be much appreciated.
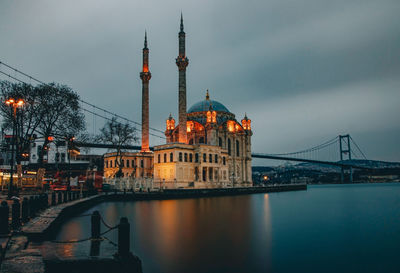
(182, 62)
(181, 22)
(145, 75)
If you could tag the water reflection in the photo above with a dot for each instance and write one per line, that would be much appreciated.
(278, 232)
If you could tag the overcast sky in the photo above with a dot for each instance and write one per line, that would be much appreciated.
(304, 71)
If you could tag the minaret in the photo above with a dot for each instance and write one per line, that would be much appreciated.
(182, 62)
(145, 75)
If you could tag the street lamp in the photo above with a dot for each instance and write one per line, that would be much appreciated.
(14, 104)
(70, 140)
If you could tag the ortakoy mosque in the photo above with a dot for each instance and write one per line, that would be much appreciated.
(207, 148)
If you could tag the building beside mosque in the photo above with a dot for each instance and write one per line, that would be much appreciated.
(208, 147)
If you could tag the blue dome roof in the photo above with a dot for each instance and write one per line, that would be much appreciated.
(204, 105)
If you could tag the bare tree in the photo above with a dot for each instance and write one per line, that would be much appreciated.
(27, 119)
(118, 135)
(51, 110)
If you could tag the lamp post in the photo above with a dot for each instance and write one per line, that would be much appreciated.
(14, 104)
(69, 147)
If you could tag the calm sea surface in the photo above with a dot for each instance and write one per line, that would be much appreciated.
(328, 228)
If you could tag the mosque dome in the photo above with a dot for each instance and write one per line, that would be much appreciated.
(204, 106)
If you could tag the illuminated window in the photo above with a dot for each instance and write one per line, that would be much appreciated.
(171, 157)
(180, 157)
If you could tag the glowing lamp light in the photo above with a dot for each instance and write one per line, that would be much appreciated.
(231, 127)
(50, 138)
(20, 102)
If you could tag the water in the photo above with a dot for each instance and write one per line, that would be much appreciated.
(328, 228)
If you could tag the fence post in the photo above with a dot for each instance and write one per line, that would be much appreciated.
(59, 199)
(123, 237)
(45, 198)
(32, 208)
(95, 219)
(25, 210)
(4, 212)
(15, 214)
(53, 198)
(37, 203)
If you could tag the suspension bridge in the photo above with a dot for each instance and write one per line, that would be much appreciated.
(339, 151)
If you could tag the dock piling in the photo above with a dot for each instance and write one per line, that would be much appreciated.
(15, 214)
(4, 212)
(124, 237)
(25, 210)
(95, 219)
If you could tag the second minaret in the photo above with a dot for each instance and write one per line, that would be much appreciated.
(145, 75)
(182, 62)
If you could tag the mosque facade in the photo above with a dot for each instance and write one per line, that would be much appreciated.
(208, 147)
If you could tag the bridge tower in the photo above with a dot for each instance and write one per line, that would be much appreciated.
(344, 140)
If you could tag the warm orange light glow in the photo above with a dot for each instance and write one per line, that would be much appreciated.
(170, 124)
(145, 68)
(231, 125)
(50, 138)
(246, 123)
(189, 126)
(20, 102)
(214, 117)
(209, 116)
